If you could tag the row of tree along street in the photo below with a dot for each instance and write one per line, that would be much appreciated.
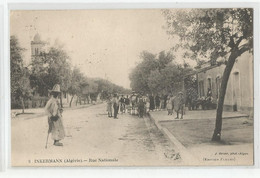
(30, 84)
(214, 35)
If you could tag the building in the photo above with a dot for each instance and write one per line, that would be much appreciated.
(239, 92)
(37, 46)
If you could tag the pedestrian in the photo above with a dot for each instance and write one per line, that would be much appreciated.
(189, 101)
(141, 106)
(122, 104)
(152, 104)
(147, 104)
(133, 99)
(161, 102)
(157, 102)
(109, 106)
(54, 111)
(179, 105)
(165, 101)
(169, 105)
(127, 104)
(115, 102)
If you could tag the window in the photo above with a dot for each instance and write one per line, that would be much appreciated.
(36, 51)
(209, 84)
(218, 84)
(201, 88)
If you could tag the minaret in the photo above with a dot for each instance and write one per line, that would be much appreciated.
(36, 46)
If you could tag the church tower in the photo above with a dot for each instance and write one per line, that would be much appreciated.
(36, 46)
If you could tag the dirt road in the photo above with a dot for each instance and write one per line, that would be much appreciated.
(92, 139)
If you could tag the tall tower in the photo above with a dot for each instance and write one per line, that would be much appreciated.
(36, 46)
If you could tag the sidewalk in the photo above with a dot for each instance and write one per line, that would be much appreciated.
(197, 114)
(192, 135)
(38, 112)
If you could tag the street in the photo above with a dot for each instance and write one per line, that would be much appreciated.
(92, 139)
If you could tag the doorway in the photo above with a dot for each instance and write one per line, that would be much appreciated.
(236, 92)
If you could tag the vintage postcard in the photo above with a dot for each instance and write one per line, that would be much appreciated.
(137, 87)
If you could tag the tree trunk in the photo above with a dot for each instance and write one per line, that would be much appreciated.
(23, 107)
(218, 125)
(71, 99)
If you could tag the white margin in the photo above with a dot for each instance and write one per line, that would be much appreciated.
(5, 124)
(2, 128)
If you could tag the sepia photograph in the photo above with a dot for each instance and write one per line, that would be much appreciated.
(132, 87)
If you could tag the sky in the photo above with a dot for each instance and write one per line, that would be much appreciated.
(102, 43)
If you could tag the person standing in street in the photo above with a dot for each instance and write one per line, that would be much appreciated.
(127, 104)
(122, 104)
(133, 99)
(109, 106)
(115, 102)
(141, 106)
(152, 104)
(147, 104)
(54, 111)
(157, 102)
(179, 105)
(165, 101)
(169, 105)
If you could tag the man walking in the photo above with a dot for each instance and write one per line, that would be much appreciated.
(54, 111)
(115, 102)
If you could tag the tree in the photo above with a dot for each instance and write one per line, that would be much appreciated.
(154, 81)
(20, 83)
(76, 80)
(51, 68)
(172, 78)
(213, 34)
(140, 73)
(158, 74)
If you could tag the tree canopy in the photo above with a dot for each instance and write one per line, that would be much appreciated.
(211, 33)
(215, 35)
(20, 83)
(157, 74)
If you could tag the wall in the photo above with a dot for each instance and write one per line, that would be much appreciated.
(212, 74)
(241, 76)
(34, 46)
(240, 85)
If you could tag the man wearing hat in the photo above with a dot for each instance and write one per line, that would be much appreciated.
(115, 102)
(54, 112)
(179, 105)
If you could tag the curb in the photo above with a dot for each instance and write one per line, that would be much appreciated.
(186, 156)
(178, 120)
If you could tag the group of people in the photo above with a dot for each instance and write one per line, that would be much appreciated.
(114, 103)
(134, 104)
(140, 104)
(168, 102)
(177, 103)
